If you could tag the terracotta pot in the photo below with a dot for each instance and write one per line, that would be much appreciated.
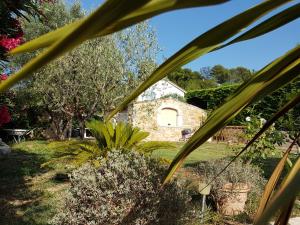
(235, 197)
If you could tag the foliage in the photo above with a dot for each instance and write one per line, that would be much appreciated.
(234, 75)
(122, 136)
(190, 80)
(109, 137)
(4, 116)
(114, 15)
(74, 101)
(266, 144)
(212, 98)
(175, 96)
(110, 67)
(238, 172)
(125, 189)
(11, 33)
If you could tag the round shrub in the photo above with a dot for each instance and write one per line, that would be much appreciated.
(237, 172)
(125, 189)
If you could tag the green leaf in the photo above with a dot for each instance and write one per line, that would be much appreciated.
(152, 8)
(137, 137)
(283, 197)
(201, 45)
(293, 102)
(273, 76)
(274, 22)
(272, 182)
(119, 129)
(110, 12)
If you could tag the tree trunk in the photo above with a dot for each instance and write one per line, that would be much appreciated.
(69, 134)
(82, 128)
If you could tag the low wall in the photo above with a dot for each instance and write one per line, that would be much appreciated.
(233, 134)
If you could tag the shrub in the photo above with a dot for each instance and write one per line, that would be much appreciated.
(122, 136)
(237, 172)
(266, 144)
(212, 98)
(124, 189)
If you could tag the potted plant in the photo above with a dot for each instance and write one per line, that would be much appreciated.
(230, 190)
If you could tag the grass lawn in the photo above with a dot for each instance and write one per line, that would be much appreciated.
(29, 194)
(206, 152)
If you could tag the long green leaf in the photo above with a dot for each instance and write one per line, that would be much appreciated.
(202, 45)
(272, 182)
(152, 8)
(274, 22)
(284, 196)
(270, 78)
(106, 15)
(293, 102)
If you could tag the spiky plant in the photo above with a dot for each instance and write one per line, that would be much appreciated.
(122, 136)
(109, 137)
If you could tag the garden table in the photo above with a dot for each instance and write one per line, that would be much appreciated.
(17, 134)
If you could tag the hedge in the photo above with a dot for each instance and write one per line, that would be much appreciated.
(211, 98)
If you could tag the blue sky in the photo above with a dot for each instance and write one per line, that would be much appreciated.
(176, 29)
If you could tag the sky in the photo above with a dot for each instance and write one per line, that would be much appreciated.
(176, 29)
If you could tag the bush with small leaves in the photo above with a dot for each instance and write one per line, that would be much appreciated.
(125, 189)
(237, 172)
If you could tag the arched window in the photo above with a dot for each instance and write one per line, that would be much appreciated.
(168, 117)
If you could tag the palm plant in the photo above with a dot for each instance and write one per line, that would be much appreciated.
(109, 137)
(122, 136)
(115, 15)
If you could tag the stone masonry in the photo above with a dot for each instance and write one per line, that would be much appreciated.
(150, 116)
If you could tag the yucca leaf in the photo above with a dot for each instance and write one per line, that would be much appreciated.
(273, 76)
(284, 196)
(285, 214)
(152, 8)
(202, 45)
(274, 22)
(110, 12)
(293, 102)
(272, 182)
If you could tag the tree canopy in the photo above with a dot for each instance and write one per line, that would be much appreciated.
(91, 79)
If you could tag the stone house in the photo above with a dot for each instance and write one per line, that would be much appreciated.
(160, 111)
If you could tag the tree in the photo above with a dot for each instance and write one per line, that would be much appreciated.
(190, 80)
(224, 75)
(240, 74)
(220, 74)
(273, 76)
(93, 78)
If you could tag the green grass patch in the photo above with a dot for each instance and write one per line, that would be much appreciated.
(206, 152)
(30, 196)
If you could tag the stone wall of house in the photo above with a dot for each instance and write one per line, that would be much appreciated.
(145, 115)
